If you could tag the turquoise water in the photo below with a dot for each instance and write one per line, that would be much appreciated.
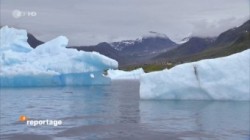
(115, 112)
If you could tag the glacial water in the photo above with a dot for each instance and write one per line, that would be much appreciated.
(115, 112)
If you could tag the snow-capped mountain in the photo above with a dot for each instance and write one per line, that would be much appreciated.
(152, 42)
(119, 46)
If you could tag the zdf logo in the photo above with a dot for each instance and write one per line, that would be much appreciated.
(18, 13)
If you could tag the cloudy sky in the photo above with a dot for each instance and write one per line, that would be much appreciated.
(87, 22)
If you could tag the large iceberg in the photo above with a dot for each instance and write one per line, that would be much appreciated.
(225, 78)
(50, 64)
(125, 75)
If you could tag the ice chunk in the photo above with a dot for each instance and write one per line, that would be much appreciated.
(15, 40)
(225, 78)
(50, 64)
(119, 74)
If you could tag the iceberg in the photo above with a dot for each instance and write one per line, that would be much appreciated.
(50, 64)
(226, 78)
(125, 75)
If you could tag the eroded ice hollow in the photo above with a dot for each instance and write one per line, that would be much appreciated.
(50, 64)
(226, 78)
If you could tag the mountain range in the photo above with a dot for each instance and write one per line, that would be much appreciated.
(157, 49)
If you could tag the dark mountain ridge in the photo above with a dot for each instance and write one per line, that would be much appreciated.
(33, 41)
(193, 46)
(197, 46)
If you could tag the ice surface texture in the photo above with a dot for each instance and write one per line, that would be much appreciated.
(225, 78)
(50, 64)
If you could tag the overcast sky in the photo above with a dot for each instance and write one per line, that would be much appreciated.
(87, 22)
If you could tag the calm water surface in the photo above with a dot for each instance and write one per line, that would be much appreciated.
(115, 112)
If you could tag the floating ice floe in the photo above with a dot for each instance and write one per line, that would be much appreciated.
(225, 78)
(125, 75)
(50, 64)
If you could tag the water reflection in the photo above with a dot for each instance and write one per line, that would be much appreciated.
(211, 119)
(78, 107)
(116, 112)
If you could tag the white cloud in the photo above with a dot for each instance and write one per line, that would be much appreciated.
(206, 28)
